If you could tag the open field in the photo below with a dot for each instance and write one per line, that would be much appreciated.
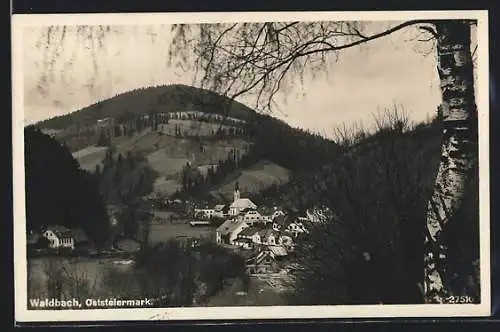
(89, 157)
(166, 187)
(202, 152)
(163, 230)
(162, 163)
(163, 150)
(179, 147)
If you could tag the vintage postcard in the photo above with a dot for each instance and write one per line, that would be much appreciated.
(221, 166)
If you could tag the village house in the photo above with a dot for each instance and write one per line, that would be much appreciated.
(248, 238)
(280, 223)
(268, 236)
(254, 237)
(229, 230)
(296, 228)
(204, 213)
(268, 214)
(239, 203)
(277, 213)
(243, 243)
(263, 262)
(59, 237)
(250, 216)
(220, 210)
(265, 214)
(62, 237)
(284, 224)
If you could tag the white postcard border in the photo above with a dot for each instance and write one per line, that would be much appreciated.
(22, 314)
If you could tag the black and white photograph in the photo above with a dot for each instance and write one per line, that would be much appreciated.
(220, 166)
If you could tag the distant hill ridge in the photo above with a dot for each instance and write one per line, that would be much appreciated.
(157, 99)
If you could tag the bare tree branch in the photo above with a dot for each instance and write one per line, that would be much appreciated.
(259, 58)
(429, 30)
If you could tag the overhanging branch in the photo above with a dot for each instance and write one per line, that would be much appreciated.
(365, 39)
(251, 62)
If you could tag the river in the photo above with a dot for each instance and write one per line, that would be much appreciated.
(81, 272)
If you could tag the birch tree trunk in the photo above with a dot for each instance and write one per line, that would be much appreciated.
(458, 155)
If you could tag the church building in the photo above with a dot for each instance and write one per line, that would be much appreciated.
(239, 203)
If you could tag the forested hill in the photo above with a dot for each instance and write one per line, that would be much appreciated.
(58, 192)
(378, 168)
(270, 138)
(159, 99)
(295, 149)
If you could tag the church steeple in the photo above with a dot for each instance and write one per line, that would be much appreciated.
(236, 191)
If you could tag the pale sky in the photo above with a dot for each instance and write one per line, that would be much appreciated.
(388, 70)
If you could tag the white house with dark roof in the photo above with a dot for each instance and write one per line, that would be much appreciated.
(250, 216)
(250, 233)
(243, 243)
(296, 228)
(220, 211)
(268, 214)
(59, 237)
(268, 236)
(62, 237)
(229, 230)
(277, 213)
(204, 213)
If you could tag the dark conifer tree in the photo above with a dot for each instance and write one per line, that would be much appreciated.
(58, 191)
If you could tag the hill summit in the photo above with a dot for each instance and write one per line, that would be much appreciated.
(157, 99)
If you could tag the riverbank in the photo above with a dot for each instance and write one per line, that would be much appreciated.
(116, 254)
